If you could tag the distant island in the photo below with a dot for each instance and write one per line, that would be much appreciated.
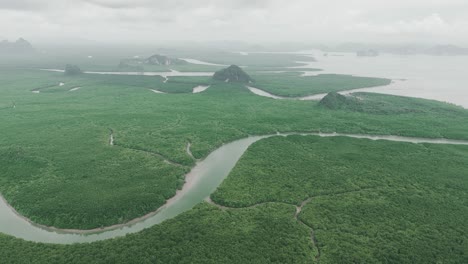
(367, 53)
(20, 46)
(437, 50)
(157, 59)
(366, 50)
(232, 73)
(448, 50)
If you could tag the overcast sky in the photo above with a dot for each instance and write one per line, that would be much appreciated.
(315, 21)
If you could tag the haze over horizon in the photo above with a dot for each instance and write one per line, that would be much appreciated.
(255, 21)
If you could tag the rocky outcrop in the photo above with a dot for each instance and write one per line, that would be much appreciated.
(336, 101)
(232, 73)
(72, 70)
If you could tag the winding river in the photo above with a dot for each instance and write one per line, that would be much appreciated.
(165, 75)
(201, 181)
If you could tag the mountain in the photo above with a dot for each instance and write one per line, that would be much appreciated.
(232, 73)
(21, 46)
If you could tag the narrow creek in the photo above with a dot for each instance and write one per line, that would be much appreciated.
(315, 97)
(201, 181)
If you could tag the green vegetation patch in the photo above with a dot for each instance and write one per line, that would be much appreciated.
(403, 224)
(172, 85)
(68, 133)
(292, 84)
(372, 201)
(385, 104)
(88, 187)
(265, 234)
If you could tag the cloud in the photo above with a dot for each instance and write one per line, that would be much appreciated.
(427, 24)
(25, 5)
(432, 24)
(246, 20)
(181, 5)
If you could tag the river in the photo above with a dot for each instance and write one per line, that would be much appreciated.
(201, 181)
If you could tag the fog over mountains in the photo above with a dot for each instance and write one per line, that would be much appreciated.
(19, 46)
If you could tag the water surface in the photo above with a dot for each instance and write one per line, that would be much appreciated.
(442, 78)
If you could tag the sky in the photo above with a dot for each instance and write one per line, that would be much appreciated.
(253, 21)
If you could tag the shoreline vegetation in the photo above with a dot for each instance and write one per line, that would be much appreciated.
(365, 196)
